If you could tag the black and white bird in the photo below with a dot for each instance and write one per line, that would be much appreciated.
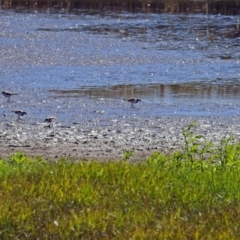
(8, 95)
(133, 101)
(49, 120)
(19, 113)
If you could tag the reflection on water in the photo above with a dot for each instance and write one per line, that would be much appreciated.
(84, 57)
(156, 92)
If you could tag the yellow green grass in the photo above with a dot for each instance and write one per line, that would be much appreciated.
(190, 194)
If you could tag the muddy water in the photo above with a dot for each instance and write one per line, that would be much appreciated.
(80, 66)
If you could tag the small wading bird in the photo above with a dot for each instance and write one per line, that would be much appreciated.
(19, 113)
(49, 120)
(133, 101)
(8, 95)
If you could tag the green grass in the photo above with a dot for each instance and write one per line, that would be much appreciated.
(191, 194)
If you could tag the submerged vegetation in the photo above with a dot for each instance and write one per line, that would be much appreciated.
(173, 6)
(190, 194)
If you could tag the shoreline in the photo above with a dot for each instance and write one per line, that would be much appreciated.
(154, 6)
(141, 134)
(49, 60)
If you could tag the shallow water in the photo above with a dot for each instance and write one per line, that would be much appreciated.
(80, 66)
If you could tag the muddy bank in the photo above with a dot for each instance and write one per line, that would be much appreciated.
(79, 140)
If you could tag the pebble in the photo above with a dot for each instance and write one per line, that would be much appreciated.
(98, 142)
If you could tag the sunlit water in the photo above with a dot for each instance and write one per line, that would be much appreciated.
(80, 66)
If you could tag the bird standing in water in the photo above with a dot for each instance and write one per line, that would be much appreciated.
(8, 95)
(49, 120)
(133, 101)
(19, 113)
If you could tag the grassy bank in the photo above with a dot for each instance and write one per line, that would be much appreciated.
(173, 6)
(191, 194)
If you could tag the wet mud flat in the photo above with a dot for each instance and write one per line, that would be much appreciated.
(78, 68)
(82, 141)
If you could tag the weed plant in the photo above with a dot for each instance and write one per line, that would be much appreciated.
(185, 6)
(191, 194)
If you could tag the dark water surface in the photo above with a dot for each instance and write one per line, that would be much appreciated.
(81, 66)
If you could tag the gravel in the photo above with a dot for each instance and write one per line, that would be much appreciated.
(109, 141)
